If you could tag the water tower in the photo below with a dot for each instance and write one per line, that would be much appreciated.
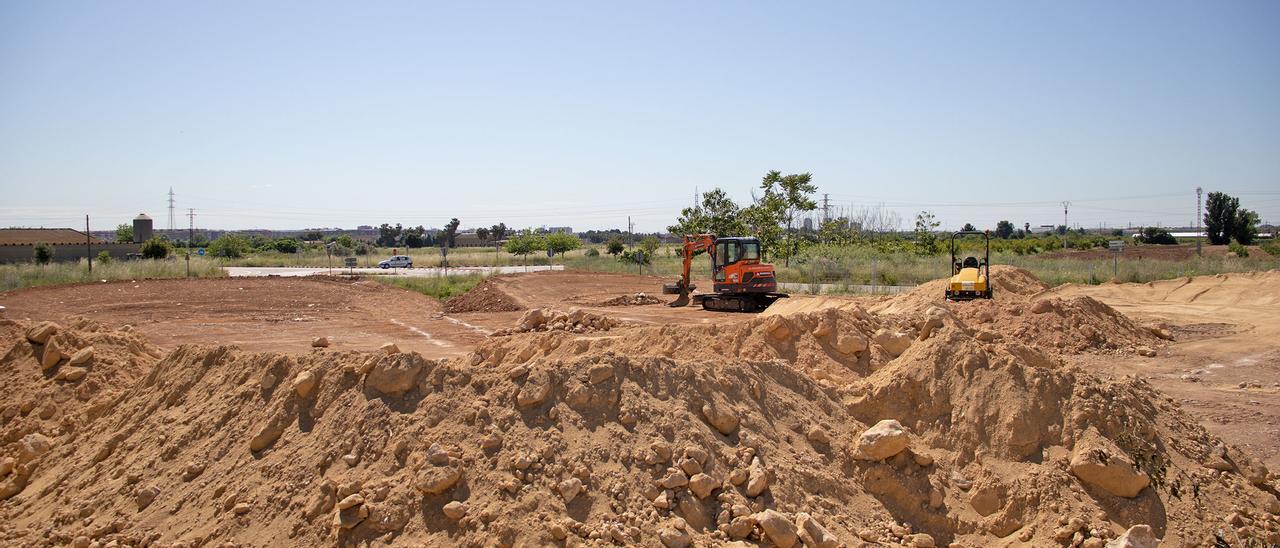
(141, 228)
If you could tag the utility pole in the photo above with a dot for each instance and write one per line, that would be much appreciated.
(826, 206)
(88, 244)
(1065, 227)
(171, 209)
(1199, 218)
(630, 235)
(191, 236)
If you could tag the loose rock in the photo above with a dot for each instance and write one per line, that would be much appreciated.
(886, 439)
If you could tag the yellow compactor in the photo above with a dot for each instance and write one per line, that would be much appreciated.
(971, 277)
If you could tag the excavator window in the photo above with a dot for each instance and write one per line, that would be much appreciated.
(751, 251)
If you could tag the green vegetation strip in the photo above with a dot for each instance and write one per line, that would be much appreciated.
(439, 287)
(16, 276)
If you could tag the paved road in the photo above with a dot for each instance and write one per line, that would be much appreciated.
(289, 271)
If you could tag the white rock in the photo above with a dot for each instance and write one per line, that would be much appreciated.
(777, 528)
(1138, 536)
(455, 510)
(886, 439)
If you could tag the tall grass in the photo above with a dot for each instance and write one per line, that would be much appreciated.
(440, 287)
(19, 275)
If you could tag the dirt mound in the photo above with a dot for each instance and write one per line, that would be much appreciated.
(548, 319)
(638, 299)
(486, 296)
(1024, 309)
(93, 363)
(934, 433)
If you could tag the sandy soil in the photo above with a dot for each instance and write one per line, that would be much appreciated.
(261, 314)
(1227, 330)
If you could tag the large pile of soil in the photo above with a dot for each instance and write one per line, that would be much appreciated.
(831, 427)
(486, 296)
(1024, 309)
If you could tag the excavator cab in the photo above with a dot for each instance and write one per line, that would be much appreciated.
(742, 281)
(970, 277)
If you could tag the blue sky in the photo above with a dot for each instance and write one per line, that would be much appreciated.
(307, 114)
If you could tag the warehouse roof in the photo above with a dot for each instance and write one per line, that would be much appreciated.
(51, 236)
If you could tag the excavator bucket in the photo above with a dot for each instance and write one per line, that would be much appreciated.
(682, 300)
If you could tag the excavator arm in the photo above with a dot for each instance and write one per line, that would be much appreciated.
(693, 244)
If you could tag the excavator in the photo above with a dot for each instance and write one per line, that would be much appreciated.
(742, 282)
(971, 277)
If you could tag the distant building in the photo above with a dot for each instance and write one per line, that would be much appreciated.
(564, 229)
(18, 244)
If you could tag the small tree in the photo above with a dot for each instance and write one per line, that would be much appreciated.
(524, 244)
(124, 233)
(482, 234)
(614, 246)
(1004, 230)
(926, 240)
(498, 232)
(650, 245)
(560, 243)
(103, 257)
(43, 253)
(286, 245)
(451, 232)
(1157, 236)
(155, 248)
(229, 246)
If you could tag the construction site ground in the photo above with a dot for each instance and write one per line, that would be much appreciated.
(1222, 342)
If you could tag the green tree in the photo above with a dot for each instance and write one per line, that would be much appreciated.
(451, 232)
(838, 231)
(124, 233)
(155, 248)
(1220, 215)
(968, 227)
(229, 246)
(926, 240)
(784, 197)
(1156, 235)
(483, 234)
(1004, 230)
(524, 244)
(717, 214)
(103, 257)
(649, 245)
(498, 232)
(559, 243)
(614, 246)
(286, 245)
(389, 236)
(1246, 226)
(43, 253)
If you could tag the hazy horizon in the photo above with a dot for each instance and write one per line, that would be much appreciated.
(306, 115)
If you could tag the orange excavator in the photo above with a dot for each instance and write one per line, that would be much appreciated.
(742, 282)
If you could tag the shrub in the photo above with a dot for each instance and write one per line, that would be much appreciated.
(229, 246)
(1155, 235)
(635, 256)
(43, 253)
(1272, 248)
(286, 245)
(155, 248)
(1239, 250)
(104, 257)
(593, 252)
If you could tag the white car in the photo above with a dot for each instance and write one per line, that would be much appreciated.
(398, 261)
